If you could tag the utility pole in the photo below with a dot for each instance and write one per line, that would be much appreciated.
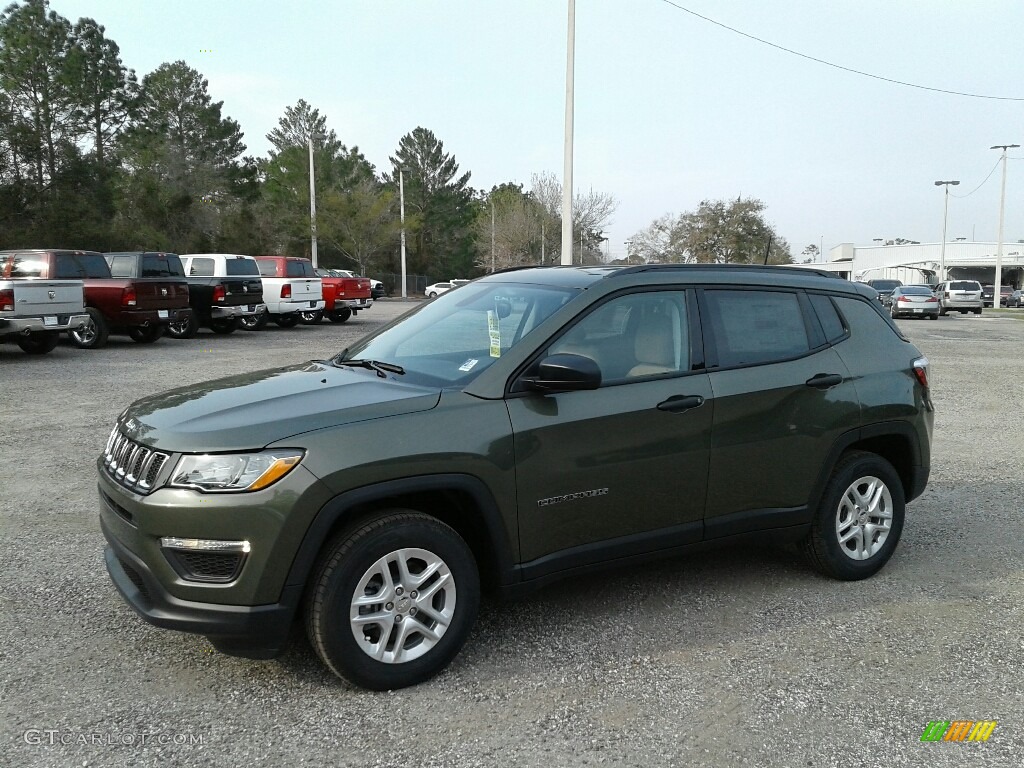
(401, 203)
(997, 283)
(492, 235)
(542, 241)
(945, 216)
(312, 202)
(567, 175)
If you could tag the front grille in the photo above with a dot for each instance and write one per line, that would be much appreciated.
(135, 578)
(219, 567)
(132, 464)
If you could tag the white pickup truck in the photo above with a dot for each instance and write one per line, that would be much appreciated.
(290, 288)
(34, 313)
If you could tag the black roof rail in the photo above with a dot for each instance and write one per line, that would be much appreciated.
(739, 267)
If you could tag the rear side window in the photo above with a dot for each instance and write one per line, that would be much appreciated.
(752, 327)
(79, 265)
(162, 265)
(241, 267)
(299, 269)
(201, 267)
(120, 266)
(831, 323)
(267, 268)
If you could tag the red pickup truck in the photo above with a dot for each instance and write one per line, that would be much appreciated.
(140, 308)
(344, 295)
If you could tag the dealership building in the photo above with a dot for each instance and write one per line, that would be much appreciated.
(921, 262)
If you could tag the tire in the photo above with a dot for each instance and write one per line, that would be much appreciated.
(253, 322)
(942, 312)
(288, 321)
(963, 311)
(432, 295)
(933, 317)
(340, 315)
(892, 313)
(146, 334)
(857, 475)
(39, 342)
(184, 329)
(977, 311)
(353, 567)
(94, 334)
(312, 318)
(224, 325)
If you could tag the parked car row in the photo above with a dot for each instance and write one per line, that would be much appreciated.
(145, 295)
(961, 296)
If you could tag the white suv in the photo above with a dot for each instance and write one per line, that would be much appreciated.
(961, 296)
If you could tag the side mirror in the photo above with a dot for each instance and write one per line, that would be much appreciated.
(565, 373)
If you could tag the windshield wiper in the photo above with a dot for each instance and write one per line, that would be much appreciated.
(381, 369)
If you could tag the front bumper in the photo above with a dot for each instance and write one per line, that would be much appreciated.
(237, 310)
(257, 631)
(26, 325)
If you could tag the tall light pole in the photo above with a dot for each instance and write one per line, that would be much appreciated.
(401, 207)
(492, 235)
(312, 195)
(997, 283)
(945, 215)
(566, 258)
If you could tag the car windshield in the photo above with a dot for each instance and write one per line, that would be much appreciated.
(450, 340)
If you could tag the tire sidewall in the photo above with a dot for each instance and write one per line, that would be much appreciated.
(100, 331)
(851, 468)
(339, 648)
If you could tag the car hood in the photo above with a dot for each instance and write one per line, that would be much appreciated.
(253, 410)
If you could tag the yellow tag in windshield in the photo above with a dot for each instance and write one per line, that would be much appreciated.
(494, 331)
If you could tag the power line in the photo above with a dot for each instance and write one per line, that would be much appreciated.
(839, 66)
(961, 197)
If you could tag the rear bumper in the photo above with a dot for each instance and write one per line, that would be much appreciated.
(916, 311)
(294, 307)
(353, 303)
(142, 317)
(26, 325)
(238, 310)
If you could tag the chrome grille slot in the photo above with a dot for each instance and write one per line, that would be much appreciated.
(132, 465)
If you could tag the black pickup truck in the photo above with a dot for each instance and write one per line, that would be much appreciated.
(218, 303)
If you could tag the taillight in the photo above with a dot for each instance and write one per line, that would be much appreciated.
(931, 299)
(7, 300)
(219, 293)
(920, 367)
(902, 298)
(286, 291)
(128, 297)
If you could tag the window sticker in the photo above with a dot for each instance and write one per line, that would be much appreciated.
(494, 330)
(468, 365)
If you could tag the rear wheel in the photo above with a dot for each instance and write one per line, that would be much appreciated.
(39, 343)
(93, 334)
(859, 520)
(312, 318)
(288, 321)
(392, 603)
(253, 322)
(224, 325)
(146, 334)
(185, 328)
(977, 311)
(340, 315)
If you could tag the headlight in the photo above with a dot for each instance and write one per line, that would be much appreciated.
(234, 471)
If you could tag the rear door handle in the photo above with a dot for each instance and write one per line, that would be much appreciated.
(680, 403)
(824, 380)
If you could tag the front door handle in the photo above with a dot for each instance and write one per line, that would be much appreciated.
(680, 403)
(824, 380)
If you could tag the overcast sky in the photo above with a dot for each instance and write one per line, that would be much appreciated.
(670, 109)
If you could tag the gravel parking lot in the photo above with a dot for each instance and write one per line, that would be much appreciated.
(729, 658)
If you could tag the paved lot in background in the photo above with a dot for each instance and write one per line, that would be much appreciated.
(730, 658)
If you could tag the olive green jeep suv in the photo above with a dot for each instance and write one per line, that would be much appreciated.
(531, 425)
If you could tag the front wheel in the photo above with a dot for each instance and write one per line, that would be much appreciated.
(859, 520)
(93, 334)
(224, 325)
(392, 603)
(39, 343)
(146, 334)
(287, 321)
